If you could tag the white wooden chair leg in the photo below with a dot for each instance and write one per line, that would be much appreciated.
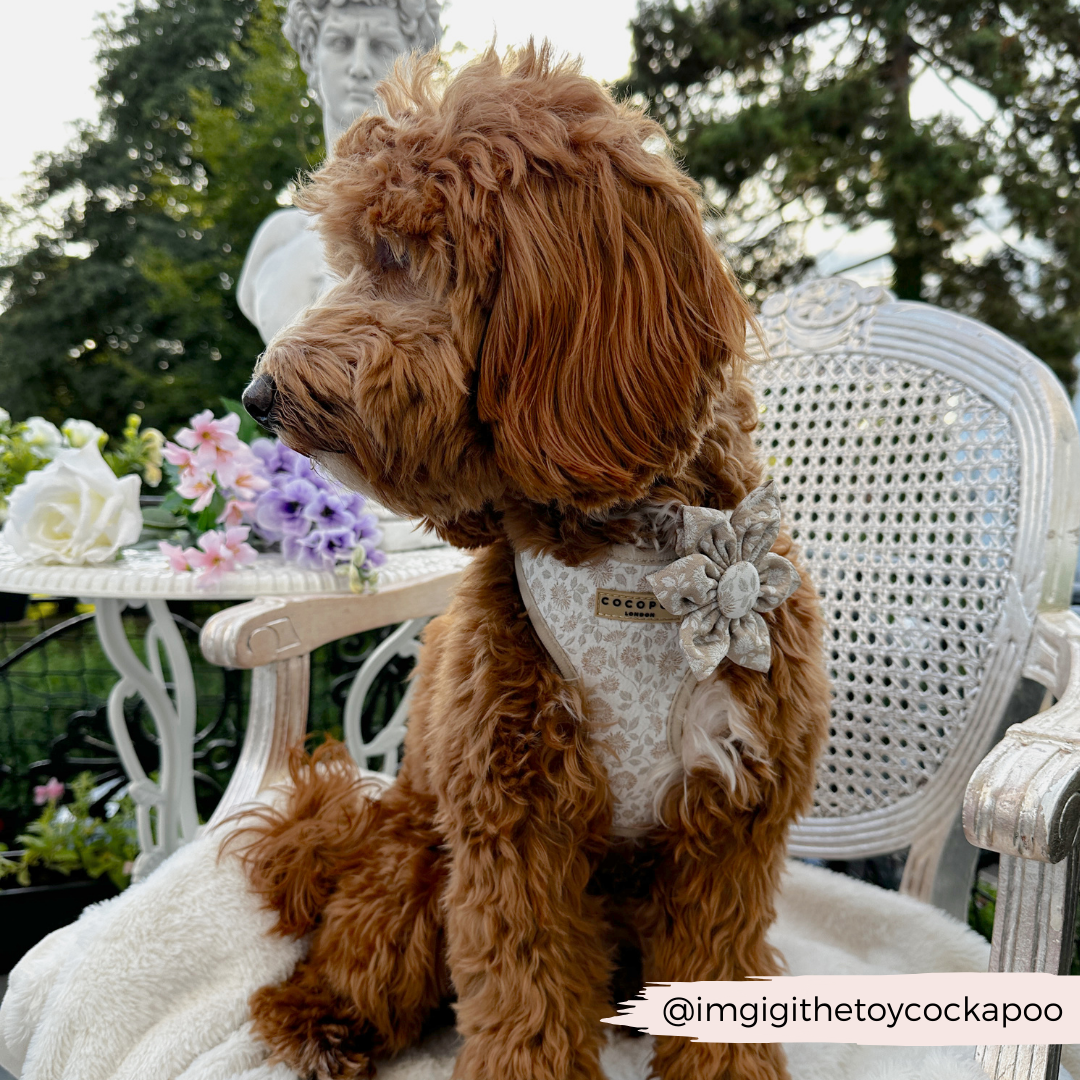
(277, 721)
(1034, 917)
(1033, 931)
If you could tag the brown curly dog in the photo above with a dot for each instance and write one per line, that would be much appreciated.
(536, 347)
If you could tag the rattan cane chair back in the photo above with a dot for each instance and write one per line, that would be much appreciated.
(928, 466)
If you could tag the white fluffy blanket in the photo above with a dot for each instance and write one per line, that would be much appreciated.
(153, 985)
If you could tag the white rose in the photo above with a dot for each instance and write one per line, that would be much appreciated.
(74, 510)
(43, 436)
(80, 432)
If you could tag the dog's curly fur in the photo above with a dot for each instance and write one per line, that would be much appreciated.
(533, 342)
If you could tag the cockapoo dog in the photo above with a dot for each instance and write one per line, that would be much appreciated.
(536, 347)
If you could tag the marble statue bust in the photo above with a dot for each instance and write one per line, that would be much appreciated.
(345, 47)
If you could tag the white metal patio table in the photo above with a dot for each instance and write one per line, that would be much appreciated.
(140, 577)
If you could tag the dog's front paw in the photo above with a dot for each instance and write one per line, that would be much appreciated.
(333, 1053)
(303, 1033)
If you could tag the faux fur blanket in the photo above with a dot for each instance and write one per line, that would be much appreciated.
(153, 985)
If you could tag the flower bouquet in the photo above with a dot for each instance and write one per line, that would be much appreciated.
(231, 486)
(67, 499)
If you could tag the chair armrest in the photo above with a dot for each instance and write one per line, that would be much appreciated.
(1024, 798)
(1024, 802)
(271, 629)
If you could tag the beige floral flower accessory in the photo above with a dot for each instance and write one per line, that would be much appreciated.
(726, 577)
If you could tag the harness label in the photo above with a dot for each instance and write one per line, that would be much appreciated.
(631, 607)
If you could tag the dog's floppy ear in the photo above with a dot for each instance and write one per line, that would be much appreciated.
(612, 326)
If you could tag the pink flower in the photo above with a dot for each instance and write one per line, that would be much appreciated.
(177, 455)
(239, 473)
(177, 556)
(234, 511)
(243, 553)
(198, 486)
(218, 458)
(221, 552)
(213, 560)
(214, 441)
(188, 436)
(49, 792)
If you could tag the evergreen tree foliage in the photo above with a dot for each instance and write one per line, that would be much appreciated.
(125, 298)
(790, 109)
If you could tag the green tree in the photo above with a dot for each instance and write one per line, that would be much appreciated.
(792, 109)
(128, 302)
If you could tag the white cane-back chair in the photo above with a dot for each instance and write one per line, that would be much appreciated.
(931, 474)
(931, 469)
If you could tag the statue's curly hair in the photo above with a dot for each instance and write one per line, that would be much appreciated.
(419, 23)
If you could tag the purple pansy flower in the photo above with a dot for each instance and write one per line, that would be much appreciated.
(298, 465)
(370, 541)
(328, 510)
(279, 512)
(269, 454)
(367, 525)
(318, 522)
(354, 502)
(321, 549)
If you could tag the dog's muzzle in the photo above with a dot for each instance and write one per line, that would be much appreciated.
(259, 398)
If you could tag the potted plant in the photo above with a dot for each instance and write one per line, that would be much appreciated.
(68, 858)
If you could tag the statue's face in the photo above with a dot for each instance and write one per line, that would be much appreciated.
(357, 47)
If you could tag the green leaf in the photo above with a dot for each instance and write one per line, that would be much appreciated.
(172, 503)
(157, 517)
(207, 519)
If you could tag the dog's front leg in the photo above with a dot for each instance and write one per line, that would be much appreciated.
(712, 903)
(527, 945)
(525, 808)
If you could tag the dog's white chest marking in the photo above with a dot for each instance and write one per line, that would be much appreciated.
(602, 625)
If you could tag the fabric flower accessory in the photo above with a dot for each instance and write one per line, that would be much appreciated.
(727, 576)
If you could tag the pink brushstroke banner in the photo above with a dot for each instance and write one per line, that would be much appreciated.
(943, 1009)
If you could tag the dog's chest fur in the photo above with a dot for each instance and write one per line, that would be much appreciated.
(605, 630)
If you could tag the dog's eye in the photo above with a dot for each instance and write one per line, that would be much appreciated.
(387, 260)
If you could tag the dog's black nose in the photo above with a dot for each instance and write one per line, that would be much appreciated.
(259, 398)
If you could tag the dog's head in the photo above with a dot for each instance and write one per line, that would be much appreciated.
(531, 309)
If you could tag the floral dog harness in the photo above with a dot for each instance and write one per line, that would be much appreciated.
(638, 629)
